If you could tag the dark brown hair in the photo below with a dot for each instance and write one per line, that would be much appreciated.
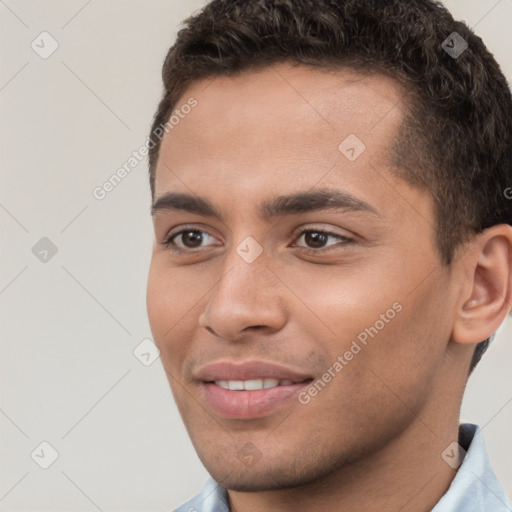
(456, 139)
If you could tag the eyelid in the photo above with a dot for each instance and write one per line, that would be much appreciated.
(169, 243)
(321, 229)
(344, 240)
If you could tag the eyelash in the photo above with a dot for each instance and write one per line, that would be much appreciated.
(169, 243)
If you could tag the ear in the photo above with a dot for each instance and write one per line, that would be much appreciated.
(486, 293)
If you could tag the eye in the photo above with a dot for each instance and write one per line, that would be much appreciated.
(186, 239)
(316, 240)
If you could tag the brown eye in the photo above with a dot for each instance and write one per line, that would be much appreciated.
(316, 240)
(187, 239)
(191, 238)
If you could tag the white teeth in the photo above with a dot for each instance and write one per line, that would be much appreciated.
(253, 384)
(236, 385)
(270, 383)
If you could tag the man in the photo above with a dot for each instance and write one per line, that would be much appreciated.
(332, 253)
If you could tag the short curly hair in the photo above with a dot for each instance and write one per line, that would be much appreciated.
(456, 137)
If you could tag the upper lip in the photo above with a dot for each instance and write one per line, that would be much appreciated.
(248, 370)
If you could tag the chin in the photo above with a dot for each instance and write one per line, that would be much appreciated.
(252, 481)
(268, 478)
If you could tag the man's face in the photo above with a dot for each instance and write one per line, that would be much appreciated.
(371, 296)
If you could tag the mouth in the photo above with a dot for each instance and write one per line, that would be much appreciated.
(251, 389)
(253, 384)
(235, 400)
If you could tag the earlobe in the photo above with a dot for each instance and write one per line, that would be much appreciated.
(487, 291)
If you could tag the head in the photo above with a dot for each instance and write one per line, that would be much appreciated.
(356, 101)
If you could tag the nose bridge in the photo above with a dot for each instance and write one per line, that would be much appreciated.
(245, 296)
(243, 284)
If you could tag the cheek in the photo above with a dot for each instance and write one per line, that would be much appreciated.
(168, 302)
(341, 302)
(159, 304)
(402, 358)
(399, 335)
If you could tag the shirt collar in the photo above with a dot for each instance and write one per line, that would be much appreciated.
(475, 486)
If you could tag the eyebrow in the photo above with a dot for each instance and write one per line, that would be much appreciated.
(302, 202)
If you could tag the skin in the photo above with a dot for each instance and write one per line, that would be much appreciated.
(372, 438)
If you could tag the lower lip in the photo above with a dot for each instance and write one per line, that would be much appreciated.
(243, 405)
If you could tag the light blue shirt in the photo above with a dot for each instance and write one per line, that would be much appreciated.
(475, 487)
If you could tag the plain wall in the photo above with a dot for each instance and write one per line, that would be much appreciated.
(68, 375)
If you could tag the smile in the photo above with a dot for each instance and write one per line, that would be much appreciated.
(253, 384)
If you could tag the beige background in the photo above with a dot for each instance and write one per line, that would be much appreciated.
(68, 375)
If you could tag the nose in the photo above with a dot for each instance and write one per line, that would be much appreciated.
(248, 297)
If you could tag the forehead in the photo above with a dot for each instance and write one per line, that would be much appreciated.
(280, 127)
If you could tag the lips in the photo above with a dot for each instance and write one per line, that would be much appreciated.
(249, 370)
(250, 389)
(252, 384)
